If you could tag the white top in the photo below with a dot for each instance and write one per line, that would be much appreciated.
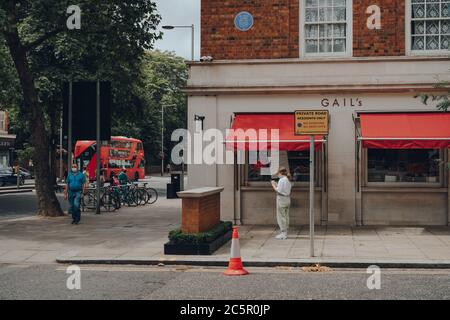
(284, 187)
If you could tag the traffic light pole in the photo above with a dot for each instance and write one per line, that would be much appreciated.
(98, 151)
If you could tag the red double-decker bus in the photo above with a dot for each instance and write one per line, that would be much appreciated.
(117, 154)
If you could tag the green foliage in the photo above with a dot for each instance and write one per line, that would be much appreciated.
(25, 154)
(176, 236)
(441, 101)
(161, 79)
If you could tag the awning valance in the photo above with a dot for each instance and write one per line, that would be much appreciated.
(405, 130)
(253, 132)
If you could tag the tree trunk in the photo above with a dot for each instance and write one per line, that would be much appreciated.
(48, 204)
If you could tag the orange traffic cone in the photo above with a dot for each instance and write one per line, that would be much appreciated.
(235, 267)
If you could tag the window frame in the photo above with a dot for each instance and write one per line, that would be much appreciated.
(408, 36)
(440, 184)
(317, 176)
(349, 35)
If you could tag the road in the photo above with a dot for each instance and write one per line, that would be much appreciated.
(27, 281)
(22, 204)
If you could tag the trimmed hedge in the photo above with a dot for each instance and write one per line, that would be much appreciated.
(177, 237)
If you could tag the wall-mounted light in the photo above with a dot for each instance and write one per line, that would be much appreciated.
(199, 122)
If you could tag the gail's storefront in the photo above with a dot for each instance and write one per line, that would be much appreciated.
(383, 162)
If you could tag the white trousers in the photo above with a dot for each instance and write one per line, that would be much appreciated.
(283, 204)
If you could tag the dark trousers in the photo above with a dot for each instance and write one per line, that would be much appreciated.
(74, 202)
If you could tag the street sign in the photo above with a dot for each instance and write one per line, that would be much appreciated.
(311, 122)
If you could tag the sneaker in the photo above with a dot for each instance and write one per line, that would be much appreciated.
(73, 221)
(281, 236)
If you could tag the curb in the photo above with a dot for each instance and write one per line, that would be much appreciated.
(3, 192)
(270, 264)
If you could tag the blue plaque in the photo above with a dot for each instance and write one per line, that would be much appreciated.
(243, 21)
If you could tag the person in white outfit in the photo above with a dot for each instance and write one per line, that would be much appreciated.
(283, 190)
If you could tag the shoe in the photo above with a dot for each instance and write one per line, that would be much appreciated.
(77, 222)
(281, 236)
(73, 221)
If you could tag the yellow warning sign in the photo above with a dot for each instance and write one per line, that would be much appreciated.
(312, 122)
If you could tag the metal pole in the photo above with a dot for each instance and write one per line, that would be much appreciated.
(162, 140)
(69, 135)
(311, 195)
(98, 149)
(61, 173)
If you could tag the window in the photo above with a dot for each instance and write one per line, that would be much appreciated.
(410, 166)
(327, 27)
(296, 161)
(429, 25)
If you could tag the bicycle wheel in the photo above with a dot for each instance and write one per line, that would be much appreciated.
(143, 196)
(152, 195)
(132, 198)
(108, 201)
(89, 201)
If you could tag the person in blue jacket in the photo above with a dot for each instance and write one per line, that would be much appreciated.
(74, 187)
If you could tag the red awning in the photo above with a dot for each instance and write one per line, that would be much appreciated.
(405, 130)
(253, 132)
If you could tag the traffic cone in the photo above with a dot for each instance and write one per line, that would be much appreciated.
(235, 267)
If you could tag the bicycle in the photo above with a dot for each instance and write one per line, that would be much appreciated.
(152, 194)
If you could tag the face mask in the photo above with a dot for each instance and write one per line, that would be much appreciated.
(74, 170)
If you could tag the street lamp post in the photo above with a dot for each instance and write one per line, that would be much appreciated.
(192, 27)
(162, 135)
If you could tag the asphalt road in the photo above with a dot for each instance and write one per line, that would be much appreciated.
(22, 204)
(164, 282)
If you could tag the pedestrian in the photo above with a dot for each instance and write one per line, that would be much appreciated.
(75, 186)
(123, 178)
(283, 190)
(86, 177)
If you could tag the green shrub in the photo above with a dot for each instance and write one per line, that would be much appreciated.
(176, 236)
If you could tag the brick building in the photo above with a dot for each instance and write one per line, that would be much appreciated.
(363, 61)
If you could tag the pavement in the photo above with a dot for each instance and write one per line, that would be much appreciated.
(137, 236)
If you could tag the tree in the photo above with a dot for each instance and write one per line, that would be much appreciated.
(112, 39)
(162, 77)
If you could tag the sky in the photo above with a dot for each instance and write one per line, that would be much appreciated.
(179, 12)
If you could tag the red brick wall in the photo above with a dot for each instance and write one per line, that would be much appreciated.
(200, 214)
(275, 33)
(390, 40)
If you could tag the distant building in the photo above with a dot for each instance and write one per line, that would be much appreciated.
(6, 141)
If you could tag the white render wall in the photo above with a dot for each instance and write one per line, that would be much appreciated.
(341, 142)
(219, 90)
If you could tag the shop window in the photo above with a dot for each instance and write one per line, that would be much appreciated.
(407, 166)
(296, 161)
(327, 27)
(429, 26)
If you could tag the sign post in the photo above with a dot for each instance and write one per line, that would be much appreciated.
(98, 151)
(311, 123)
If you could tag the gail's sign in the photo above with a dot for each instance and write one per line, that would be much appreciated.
(341, 102)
